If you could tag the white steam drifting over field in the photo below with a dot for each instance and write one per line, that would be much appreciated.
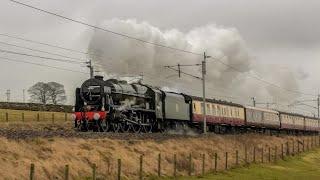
(121, 56)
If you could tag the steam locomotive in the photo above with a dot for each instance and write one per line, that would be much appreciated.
(118, 106)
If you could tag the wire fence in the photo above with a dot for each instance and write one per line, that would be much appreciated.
(8, 115)
(191, 164)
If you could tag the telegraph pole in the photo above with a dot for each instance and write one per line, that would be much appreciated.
(203, 78)
(24, 95)
(204, 71)
(318, 103)
(8, 95)
(253, 101)
(89, 65)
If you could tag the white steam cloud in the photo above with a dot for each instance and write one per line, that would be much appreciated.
(121, 56)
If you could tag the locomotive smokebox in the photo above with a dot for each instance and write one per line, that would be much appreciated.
(99, 77)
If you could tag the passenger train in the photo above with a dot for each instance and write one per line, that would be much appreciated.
(118, 106)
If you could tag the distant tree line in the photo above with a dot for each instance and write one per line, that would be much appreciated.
(47, 93)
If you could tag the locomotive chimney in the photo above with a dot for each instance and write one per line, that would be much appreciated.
(99, 77)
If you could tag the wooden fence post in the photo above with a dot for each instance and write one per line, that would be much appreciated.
(174, 165)
(7, 116)
(298, 146)
(293, 148)
(94, 166)
(245, 155)
(65, 117)
(32, 171)
(288, 150)
(190, 165)
(275, 153)
(159, 164)
(215, 162)
(237, 157)
(52, 118)
(141, 168)
(203, 164)
(303, 145)
(38, 117)
(309, 144)
(254, 154)
(108, 166)
(119, 169)
(66, 172)
(262, 155)
(282, 156)
(269, 154)
(22, 116)
(226, 164)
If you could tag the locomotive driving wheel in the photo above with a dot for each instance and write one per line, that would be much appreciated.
(147, 127)
(115, 127)
(104, 126)
(125, 127)
(84, 126)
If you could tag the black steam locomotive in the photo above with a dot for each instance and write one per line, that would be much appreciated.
(113, 105)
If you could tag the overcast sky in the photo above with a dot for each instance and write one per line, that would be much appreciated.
(281, 33)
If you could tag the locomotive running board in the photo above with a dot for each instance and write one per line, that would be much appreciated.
(134, 122)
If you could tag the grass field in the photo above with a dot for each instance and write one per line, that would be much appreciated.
(305, 166)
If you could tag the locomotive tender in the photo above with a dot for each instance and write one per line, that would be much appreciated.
(113, 105)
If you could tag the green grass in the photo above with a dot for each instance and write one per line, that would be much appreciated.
(305, 167)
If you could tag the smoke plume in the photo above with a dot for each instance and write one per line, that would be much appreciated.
(121, 56)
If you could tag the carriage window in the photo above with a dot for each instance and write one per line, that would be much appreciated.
(201, 108)
(213, 110)
(177, 107)
(208, 109)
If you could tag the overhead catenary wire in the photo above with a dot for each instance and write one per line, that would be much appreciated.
(151, 43)
(262, 80)
(42, 57)
(38, 64)
(42, 43)
(171, 82)
(50, 45)
(105, 30)
(41, 51)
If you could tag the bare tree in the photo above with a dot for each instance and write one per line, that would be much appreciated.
(39, 92)
(45, 93)
(57, 93)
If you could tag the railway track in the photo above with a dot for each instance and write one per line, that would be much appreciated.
(27, 131)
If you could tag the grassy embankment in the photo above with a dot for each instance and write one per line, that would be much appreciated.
(304, 166)
(50, 155)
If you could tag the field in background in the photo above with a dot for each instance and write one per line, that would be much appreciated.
(9, 115)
